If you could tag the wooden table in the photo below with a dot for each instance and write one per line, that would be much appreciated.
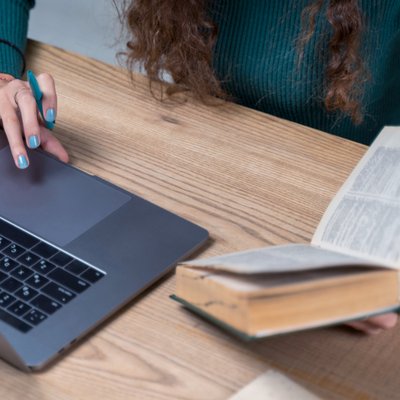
(251, 180)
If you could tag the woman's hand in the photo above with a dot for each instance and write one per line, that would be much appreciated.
(22, 123)
(376, 324)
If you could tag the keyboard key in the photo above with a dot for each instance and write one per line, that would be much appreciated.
(70, 281)
(14, 322)
(3, 242)
(38, 275)
(34, 317)
(92, 275)
(17, 235)
(44, 267)
(58, 293)
(21, 273)
(76, 267)
(19, 308)
(13, 250)
(7, 264)
(36, 281)
(3, 276)
(28, 259)
(26, 293)
(6, 299)
(44, 250)
(61, 259)
(11, 285)
(45, 304)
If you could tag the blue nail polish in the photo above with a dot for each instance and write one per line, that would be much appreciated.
(51, 115)
(22, 162)
(34, 141)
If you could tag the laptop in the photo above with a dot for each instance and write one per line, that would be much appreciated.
(73, 250)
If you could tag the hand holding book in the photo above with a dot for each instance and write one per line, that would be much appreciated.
(350, 271)
(376, 324)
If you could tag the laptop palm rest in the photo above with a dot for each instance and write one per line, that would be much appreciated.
(52, 200)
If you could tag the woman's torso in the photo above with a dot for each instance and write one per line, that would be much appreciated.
(256, 58)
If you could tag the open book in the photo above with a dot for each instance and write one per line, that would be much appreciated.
(349, 271)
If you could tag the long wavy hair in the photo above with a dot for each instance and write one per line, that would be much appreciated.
(178, 36)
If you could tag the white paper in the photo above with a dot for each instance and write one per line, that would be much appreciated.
(364, 217)
(272, 385)
(276, 259)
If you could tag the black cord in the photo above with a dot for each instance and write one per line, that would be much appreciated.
(18, 50)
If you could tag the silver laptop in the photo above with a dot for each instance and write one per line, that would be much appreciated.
(73, 250)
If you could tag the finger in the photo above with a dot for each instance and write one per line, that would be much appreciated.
(384, 321)
(49, 101)
(28, 110)
(12, 89)
(12, 128)
(365, 327)
(52, 145)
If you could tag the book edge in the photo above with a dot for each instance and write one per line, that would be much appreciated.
(268, 333)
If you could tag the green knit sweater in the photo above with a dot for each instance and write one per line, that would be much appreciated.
(255, 56)
(13, 28)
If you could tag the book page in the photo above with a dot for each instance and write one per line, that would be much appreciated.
(278, 259)
(266, 284)
(363, 219)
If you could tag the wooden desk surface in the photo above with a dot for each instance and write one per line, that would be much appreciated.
(251, 180)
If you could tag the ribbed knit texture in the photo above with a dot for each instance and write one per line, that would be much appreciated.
(256, 58)
(14, 16)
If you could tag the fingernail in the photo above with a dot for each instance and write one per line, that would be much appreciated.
(34, 141)
(50, 115)
(22, 162)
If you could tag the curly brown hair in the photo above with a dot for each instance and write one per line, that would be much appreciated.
(178, 37)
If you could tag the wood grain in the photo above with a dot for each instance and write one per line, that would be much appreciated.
(249, 178)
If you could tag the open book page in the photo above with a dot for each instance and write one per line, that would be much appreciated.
(277, 259)
(266, 284)
(364, 217)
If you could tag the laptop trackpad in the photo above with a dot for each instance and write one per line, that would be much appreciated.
(52, 200)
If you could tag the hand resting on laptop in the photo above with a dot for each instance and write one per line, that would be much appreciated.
(22, 122)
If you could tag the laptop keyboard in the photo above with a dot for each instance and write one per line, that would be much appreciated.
(36, 279)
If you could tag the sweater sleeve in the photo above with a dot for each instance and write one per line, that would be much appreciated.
(14, 15)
